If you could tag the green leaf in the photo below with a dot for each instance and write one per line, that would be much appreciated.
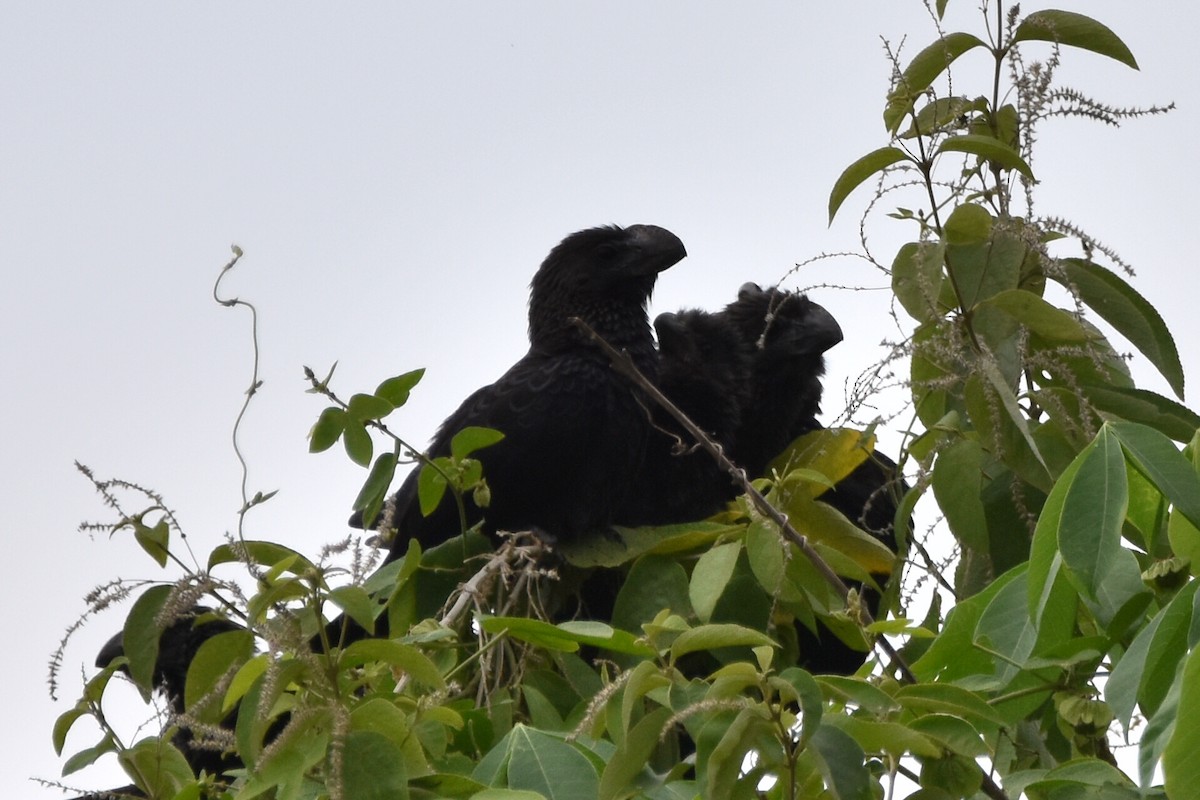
(162, 769)
(957, 484)
(431, 486)
(266, 554)
(404, 657)
(327, 430)
(358, 443)
(1180, 765)
(566, 636)
(215, 658)
(1074, 30)
(654, 583)
(941, 114)
(473, 438)
(373, 767)
(1089, 533)
(987, 148)
(546, 764)
(967, 224)
(632, 755)
(396, 390)
(887, 737)
(710, 637)
(859, 171)
(948, 699)
(917, 278)
(357, 603)
(89, 755)
(1122, 307)
(154, 540)
(1144, 407)
(1037, 315)
(1009, 402)
(710, 576)
(139, 638)
(373, 493)
(922, 71)
(842, 763)
(363, 407)
(1156, 457)
(1144, 673)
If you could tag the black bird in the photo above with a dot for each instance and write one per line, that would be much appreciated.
(177, 646)
(704, 369)
(787, 335)
(574, 430)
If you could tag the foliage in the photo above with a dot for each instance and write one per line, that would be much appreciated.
(1072, 607)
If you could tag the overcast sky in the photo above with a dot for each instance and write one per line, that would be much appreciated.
(395, 173)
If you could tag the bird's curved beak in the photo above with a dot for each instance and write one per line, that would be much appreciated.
(658, 248)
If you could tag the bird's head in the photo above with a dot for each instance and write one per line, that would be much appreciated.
(601, 275)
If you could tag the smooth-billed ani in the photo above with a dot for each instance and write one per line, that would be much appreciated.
(574, 431)
(177, 647)
(787, 335)
(704, 370)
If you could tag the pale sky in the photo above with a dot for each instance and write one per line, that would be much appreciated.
(395, 173)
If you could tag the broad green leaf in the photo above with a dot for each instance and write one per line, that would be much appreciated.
(654, 583)
(401, 656)
(988, 149)
(957, 483)
(546, 764)
(724, 762)
(431, 485)
(952, 656)
(983, 269)
(860, 692)
(373, 493)
(1049, 322)
(358, 443)
(89, 755)
(1144, 407)
(859, 171)
(327, 430)
(372, 767)
(155, 541)
(1009, 403)
(710, 637)
(161, 767)
(917, 278)
(266, 554)
(942, 114)
(396, 390)
(473, 438)
(357, 604)
(632, 755)
(1183, 535)
(922, 71)
(832, 452)
(1180, 765)
(710, 576)
(212, 662)
(363, 407)
(1145, 671)
(139, 639)
(566, 636)
(1089, 533)
(842, 763)
(1122, 307)
(1074, 30)
(953, 733)
(823, 524)
(804, 691)
(1157, 458)
(886, 737)
(949, 699)
(967, 224)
